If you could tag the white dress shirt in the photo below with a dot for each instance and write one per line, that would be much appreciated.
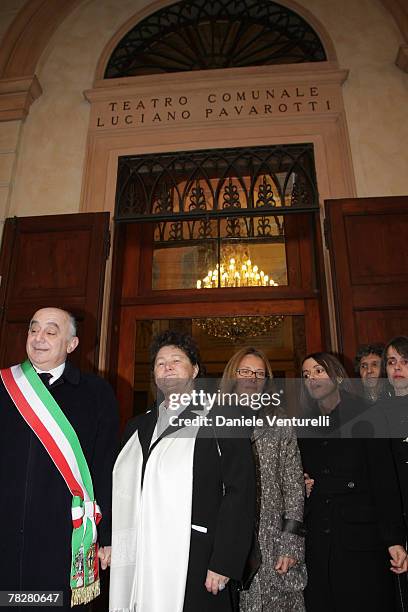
(55, 372)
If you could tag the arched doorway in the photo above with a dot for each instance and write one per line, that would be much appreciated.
(239, 95)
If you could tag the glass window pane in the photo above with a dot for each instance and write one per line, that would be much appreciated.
(233, 252)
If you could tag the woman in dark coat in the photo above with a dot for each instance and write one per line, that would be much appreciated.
(395, 366)
(183, 501)
(355, 534)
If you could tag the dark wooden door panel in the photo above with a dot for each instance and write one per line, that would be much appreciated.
(377, 326)
(51, 262)
(368, 241)
(366, 296)
(57, 261)
(374, 245)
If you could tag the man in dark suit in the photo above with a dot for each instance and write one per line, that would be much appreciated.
(35, 547)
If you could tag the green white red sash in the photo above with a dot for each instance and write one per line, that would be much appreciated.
(42, 413)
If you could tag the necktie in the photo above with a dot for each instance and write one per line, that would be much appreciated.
(45, 377)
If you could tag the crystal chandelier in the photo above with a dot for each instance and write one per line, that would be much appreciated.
(238, 271)
(235, 328)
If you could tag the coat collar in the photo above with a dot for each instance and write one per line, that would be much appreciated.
(71, 375)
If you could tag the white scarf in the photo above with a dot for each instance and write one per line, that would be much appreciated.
(151, 527)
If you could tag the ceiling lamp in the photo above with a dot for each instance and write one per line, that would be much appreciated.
(237, 271)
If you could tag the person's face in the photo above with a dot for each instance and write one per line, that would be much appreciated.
(173, 370)
(49, 338)
(317, 381)
(250, 373)
(370, 369)
(397, 371)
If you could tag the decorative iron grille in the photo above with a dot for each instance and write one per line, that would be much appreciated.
(211, 34)
(235, 229)
(218, 183)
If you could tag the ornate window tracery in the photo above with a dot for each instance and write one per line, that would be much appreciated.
(210, 34)
(217, 183)
(207, 207)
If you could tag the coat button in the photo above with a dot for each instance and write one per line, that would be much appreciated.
(326, 471)
(351, 484)
(328, 500)
(326, 530)
(325, 442)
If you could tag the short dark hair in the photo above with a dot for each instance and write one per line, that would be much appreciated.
(400, 343)
(377, 348)
(183, 341)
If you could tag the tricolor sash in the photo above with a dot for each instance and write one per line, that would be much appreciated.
(42, 413)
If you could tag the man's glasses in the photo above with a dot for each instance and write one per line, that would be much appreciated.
(247, 373)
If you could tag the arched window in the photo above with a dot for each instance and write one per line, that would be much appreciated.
(210, 34)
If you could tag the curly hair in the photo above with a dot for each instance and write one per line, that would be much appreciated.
(365, 350)
(183, 341)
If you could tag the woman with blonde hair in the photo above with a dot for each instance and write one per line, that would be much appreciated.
(280, 581)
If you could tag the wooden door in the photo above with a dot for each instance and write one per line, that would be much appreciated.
(368, 241)
(57, 261)
(133, 299)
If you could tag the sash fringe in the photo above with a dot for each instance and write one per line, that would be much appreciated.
(85, 594)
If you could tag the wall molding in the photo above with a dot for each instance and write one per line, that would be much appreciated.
(17, 95)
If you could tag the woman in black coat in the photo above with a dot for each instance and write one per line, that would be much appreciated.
(395, 362)
(355, 534)
(395, 366)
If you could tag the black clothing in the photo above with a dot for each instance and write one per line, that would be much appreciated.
(229, 518)
(396, 413)
(352, 516)
(395, 410)
(35, 509)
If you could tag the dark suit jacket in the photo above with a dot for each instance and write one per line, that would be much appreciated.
(35, 509)
(229, 518)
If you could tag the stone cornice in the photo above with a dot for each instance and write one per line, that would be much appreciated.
(17, 95)
(323, 72)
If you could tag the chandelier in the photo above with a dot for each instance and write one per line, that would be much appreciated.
(237, 271)
(235, 328)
